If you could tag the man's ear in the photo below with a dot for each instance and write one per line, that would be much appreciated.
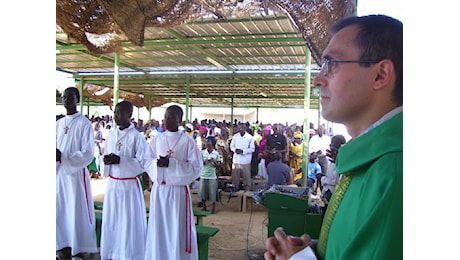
(384, 74)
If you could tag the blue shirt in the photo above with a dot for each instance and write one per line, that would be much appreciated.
(313, 169)
(278, 173)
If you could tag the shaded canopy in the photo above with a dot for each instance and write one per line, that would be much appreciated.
(107, 26)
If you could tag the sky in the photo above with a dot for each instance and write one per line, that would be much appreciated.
(393, 8)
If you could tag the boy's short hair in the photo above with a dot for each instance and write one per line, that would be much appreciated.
(177, 109)
(75, 91)
(277, 156)
(126, 105)
(212, 139)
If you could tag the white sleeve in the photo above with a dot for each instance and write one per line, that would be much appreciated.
(251, 147)
(313, 145)
(233, 145)
(305, 254)
(131, 167)
(84, 156)
(149, 162)
(185, 172)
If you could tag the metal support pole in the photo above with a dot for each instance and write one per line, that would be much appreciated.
(231, 113)
(82, 86)
(87, 106)
(187, 99)
(257, 114)
(306, 122)
(319, 113)
(149, 108)
(116, 83)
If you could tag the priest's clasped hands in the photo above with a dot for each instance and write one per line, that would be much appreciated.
(111, 159)
(163, 161)
(282, 246)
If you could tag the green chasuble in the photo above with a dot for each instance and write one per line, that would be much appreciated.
(368, 223)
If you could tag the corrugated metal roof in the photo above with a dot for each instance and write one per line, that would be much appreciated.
(246, 62)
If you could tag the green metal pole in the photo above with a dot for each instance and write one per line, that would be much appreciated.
(306, 122)
(187, 98)
(82, 86)
(116, 83)
(87, 106)
(150, 108)
(319, 113)
(231, 114)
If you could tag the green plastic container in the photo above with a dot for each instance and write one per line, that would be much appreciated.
(290, 213)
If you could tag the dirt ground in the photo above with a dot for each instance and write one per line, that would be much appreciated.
(242, 235)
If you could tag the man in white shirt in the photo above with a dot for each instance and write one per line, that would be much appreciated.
(242, 146)
(319, 143)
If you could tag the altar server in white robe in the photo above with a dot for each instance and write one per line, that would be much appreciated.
(124, 223)
(172, 161)
(75, 220)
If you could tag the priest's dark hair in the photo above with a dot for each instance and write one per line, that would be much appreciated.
(74, 91)
(177, 109)
(126, 106)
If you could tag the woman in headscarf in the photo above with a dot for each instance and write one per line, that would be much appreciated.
(262, 170)
(295, 155)
(223, 149)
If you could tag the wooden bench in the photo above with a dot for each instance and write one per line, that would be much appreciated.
(199, 214)
(247, 195)
(258, 184)
(203, 234)
(98, 227)
(98, 205)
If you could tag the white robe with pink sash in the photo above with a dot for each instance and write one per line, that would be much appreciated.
(75, 220)
(124, 223)
(171, 232)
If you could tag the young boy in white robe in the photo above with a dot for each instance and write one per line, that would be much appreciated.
(124, 222)
(75, 219)
(173, 161)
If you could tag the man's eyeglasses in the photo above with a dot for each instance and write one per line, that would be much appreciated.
(326, 66)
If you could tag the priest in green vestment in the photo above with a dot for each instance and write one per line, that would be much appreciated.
(361, 87)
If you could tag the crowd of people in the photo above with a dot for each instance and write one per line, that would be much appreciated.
(242, 160)
(244, 150)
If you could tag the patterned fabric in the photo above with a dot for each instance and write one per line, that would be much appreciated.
(337, 197)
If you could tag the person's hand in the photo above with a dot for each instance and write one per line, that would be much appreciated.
(282, 246)
(332, 154)
(163, 161)
(58, 155)
(111, 159)
(319, 175)
(211, 160)
(238, 151)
